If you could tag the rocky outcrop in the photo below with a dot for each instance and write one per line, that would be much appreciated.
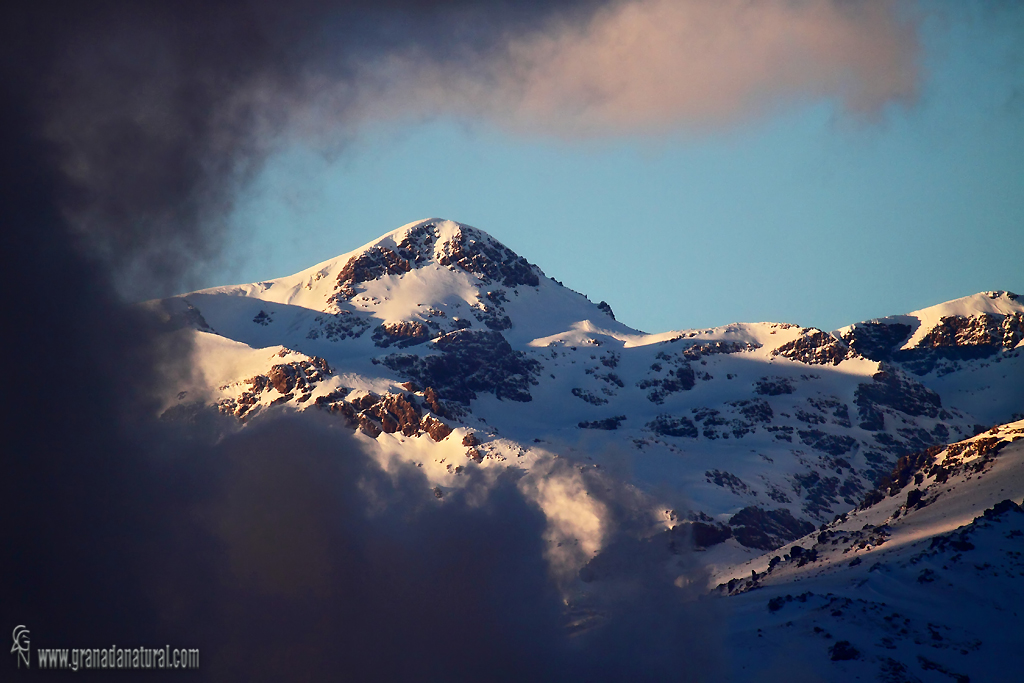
(695, 352)
(839, 411)
(727, 480)
(397, 413)
(958, 338)
(492, 317)
(609, 423)
(285, 379)
(417, 247)
(773, 386)
(986, 331)
(338, 326)
(974, 455)
(470, 361)
(681, 378)
(389, 414)
(437, 430)
(476, 253)
(953, 338)
(876, 340)
(282, 377)
(755, 410)
(372, 264)
(403, 334)
(432, 401)
(710, 420)
(756, 527)
(588, 396)
(816, 348)
(890, 389)
(832, 444)
(668, 425)
(820, 493)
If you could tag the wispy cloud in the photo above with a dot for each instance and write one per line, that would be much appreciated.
(649, 66)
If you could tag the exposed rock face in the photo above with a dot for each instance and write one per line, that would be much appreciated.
(588, 396)
(417, 246)
(404, 333)
(437, 430)
(817, 348)
(727, 480)
(773, 386)
(390, 413)
(606, 307)
(957, 338)
(338, 326)
(681, 378)
(695, 352)
(284, 378)
(397, 413)
(827, 443)
(680, 375)
(755, 410)
(839, 411)
(373, 263)
(493, 317)
(821, 493)
(432, 401)
(755, 527)
(985, 330)
(953, 338)
(471, 361)
(667, 425)
(609, 423)
(875, 340)
(710, 419)
(889, 389)
(966, 456)
(475, 253)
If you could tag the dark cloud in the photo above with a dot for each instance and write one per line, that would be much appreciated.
(154, 113)
(126, 129)
(283, 552)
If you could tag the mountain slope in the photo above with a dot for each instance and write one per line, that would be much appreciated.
(445, 348)
(921, 582)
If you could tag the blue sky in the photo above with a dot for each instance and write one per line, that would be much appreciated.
(809, 214)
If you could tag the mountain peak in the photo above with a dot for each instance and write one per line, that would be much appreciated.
(442, 242)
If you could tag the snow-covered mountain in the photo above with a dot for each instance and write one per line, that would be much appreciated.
(443, 348)
(922, 581)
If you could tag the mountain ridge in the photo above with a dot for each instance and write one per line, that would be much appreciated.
(437, 328)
